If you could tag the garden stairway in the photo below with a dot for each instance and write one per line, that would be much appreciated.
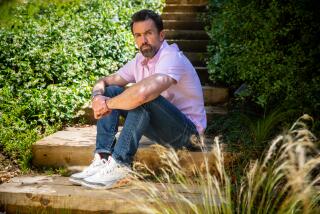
(182, 26)
(72, 147)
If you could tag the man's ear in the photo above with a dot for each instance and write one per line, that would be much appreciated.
(162, 35)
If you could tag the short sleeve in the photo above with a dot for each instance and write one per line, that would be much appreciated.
(171, 64)
(127, 71)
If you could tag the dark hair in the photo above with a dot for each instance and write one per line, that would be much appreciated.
(144, 15)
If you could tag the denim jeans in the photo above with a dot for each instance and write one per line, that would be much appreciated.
(159, 120)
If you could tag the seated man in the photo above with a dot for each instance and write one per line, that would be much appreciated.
(165, 104)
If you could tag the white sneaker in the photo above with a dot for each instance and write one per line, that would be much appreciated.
(92, 169)
(109, 176)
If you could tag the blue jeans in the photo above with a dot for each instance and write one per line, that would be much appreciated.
(159, 120)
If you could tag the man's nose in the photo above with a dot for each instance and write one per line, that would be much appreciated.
(144, 39)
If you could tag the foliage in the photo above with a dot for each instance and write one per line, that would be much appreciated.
(272, 46)
(251, 129)
(284, 181)
(51, 53)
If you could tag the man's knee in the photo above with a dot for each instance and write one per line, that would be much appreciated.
(113, 90)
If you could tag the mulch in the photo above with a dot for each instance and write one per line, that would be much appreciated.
(8, 168)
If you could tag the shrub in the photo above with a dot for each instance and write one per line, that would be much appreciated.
(272, 46)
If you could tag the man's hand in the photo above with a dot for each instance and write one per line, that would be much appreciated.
(99, 106)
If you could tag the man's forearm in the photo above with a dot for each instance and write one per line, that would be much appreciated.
(113, 79)
(127, 100)
(99, 87)
(141, 92)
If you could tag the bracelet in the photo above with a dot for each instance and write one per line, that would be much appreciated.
(106, 103)
(95, 93)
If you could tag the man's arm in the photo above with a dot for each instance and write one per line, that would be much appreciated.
(141, 92)
(113, 79)
(99, 106)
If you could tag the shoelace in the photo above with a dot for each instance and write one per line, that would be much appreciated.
(108, 168)
(95, 162)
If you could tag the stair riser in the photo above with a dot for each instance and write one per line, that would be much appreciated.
(88, 117)
(197, 59)
(57, 156)
(197, 62)
(182, 25)
(203, 76)
(186, 34)
(184, 8)
(186, 1)
(180, 16)
(191, 45)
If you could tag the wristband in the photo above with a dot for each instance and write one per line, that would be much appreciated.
(95, 93)
(106, 103)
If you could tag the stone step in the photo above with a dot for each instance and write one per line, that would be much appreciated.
(54, 194)
(74, 146)
(196, 58)
(181, 16)
(191, 45)
(186, 1)
(183, 25)
(184, 8)
(186, 34)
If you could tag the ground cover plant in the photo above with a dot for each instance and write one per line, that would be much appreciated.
(51, 53)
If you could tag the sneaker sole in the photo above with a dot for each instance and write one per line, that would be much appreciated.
(114, 184)
(77, 182)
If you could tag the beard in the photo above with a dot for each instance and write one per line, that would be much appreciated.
(148, 51)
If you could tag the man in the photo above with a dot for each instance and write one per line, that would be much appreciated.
(165, 104)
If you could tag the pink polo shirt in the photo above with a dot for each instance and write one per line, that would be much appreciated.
(186, 95)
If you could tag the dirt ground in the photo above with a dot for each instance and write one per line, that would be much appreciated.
(8, 168)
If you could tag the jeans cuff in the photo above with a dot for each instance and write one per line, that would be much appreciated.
(102, 151)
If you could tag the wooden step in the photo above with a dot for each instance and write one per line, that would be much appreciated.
(215, 95)
(191, 45)
(74, 146)
(55, 194)
(181, 16)
(184, 8)
(86, 113)
(196, 58)
(212, 96)
(186, 34)
(203, 74)
(186, 1)
(183, 25)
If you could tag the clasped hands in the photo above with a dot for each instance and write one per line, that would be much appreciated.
(100, 107)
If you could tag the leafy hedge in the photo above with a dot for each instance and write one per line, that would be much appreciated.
(271, 46)
(51, 53)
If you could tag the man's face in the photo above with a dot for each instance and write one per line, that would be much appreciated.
(147, 37)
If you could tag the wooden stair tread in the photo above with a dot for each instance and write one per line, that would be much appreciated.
(29, 194)
(74, 146)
